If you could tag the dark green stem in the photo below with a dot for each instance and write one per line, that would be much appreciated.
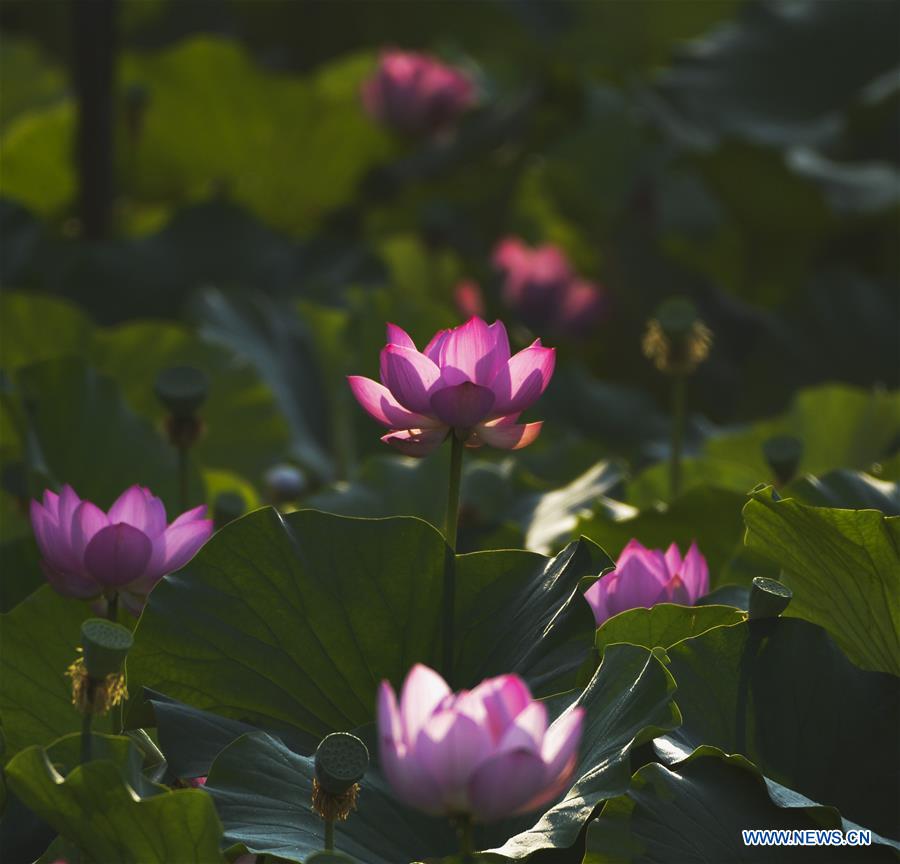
(449, 599)
(112, 606)
(453, 493)
(183, 477)
(329, 835)
(678, 422)
(465, 829)
(86, 722)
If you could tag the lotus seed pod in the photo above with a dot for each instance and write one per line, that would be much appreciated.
(105, 645)
(768, 598)
(676, 340)
(284, 482)
(182, 389)
(227, 507)
(341, 761)
(783, 453)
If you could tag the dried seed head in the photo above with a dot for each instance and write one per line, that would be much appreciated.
(676, 340)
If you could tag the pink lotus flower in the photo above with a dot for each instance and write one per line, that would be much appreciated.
(88, 553)
(415, 94)
(545, 292)
(486, 752)
(464, 381)
(644, 577)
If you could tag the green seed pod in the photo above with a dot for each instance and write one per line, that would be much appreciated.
(182, 389)
(768, 598)
(105, 645)
(783, 453)
(227, 507)
(341, 761)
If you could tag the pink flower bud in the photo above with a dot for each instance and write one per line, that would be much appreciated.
(644, 577)
(541, 287)
(415, 94)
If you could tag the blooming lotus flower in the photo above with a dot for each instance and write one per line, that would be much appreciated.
(464, 381)
(487, 752)
(88, 553)
(644, 577)
(416, 94)
(544, 290)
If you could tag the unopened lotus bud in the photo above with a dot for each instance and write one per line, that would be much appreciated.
(341, 761)
(768, 598)
(284, 483)
(676, 340)
(97, 679)
(182, 390)
(227, 507)
(783, 453)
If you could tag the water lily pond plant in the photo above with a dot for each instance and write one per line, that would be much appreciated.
(440, 433)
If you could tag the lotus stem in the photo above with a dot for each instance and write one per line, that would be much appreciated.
(678, 423)
(466, 832)
(112, 606)
(449, 602)
(87, 720)
(183, 477)
(329, 835)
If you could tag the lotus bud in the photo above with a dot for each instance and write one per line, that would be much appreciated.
(783, 454)
(676, 340)
(644, 577)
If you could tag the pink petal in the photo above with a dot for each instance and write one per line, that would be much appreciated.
(183, 541)
(673, 559)
(433, 348)
(69, 502)
(473, 349)
(117, 555)
(636, 586)
(51, 503)
(450, 747)
(636, 555)
(423, 691)
(463, 405)
(504, 784)
(509, 436)
(560, 756)
(399, 337)
(409, 376)
(138, 508)
(416, 442)
(695, 573)
(676, 591)
(468, 299)
(70, 583)
(526, 732)
(50, 539)
(504, 698)
(87, 522)
(190, 516)
(524, 378)
(381, 406)
(596, 597)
